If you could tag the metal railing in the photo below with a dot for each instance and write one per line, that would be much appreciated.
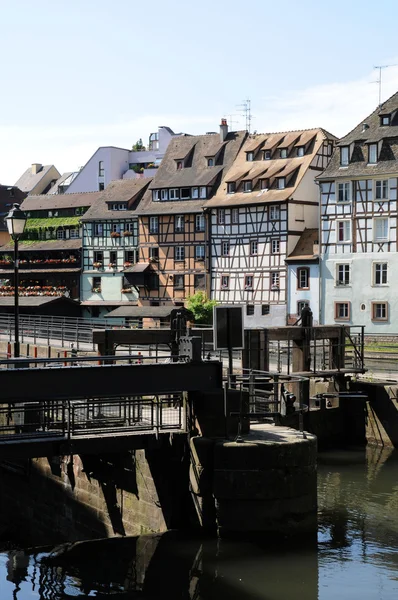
(91, 417)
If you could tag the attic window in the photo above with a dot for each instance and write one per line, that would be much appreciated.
(264, 184)
(267, 155)
(372, 154)
(210, 162)
(231, 187)
(247, 186)
(179, 165)
(385, 120)
(300, 151)
(344, 156)
(281, 183)
(283, 153)
(185, 193)
(250, 156)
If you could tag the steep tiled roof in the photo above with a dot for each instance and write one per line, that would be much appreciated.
(48, 245)
(65, 179)
(292, 168)
(46, 202)
(369, 130)
(120, 190)
(29, 180)
(304, 249)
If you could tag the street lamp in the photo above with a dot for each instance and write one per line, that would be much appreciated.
(16, 221)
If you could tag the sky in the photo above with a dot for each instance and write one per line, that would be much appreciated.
(80, 74)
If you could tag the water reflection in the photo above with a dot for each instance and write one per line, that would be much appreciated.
(356, 556)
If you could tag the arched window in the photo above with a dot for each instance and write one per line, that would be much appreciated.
(101, 170)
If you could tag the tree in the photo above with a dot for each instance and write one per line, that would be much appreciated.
(201, 307)
(138, 146)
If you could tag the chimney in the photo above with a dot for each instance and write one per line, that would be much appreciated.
(36, 168)
(223, 130)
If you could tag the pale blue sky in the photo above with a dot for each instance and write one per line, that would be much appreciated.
(77, 74)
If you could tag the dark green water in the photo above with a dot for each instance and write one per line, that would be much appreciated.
(355, 557)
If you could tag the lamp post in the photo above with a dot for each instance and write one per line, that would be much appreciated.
(16, 221)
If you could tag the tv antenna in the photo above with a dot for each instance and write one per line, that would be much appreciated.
(246, 110)
(380, 68)
(231, 121)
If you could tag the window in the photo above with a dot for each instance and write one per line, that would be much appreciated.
(343, 231)
(264, 184)
(380, 228)
(129, 227)
(274, 212)
(254, 247)
(300, 305)
(235, 215)
(250, 310)
(300, 151)
(303, 278)
(381, 191)
(247, 186)
(275, 245)
(178, 282)
(199, 282)
(155, 195)
(379, 311)
(344, 192)
(265, 309)
(224, 248)
(275, 280)
(343, 275)
(210, 162)
(199, 252)
(221, 216)
(179, 253)
(164, 194)
(60, 234)
(179, 224)
(153, 224)
(153, 281)
(249, 156)
(113, 258)
(154, 253)
(281, 183)
(195, 192)
(74, 233)
(199, 222)
(98, 258)
(96, 285)
(98, 229)
(231, 187)
(174, 194)
(267, 155)
(224, 282)
(101, 186)
(283, 153)
(116, 227)
(344, 156)
(341, 311)
(372, 154)
(179, 164)
(129, 256)
(101, 170)
(380, 273)
(249, 282)
(203, 192)
(385, 120)
(185, 193)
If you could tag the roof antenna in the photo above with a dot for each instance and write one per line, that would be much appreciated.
(246, 110)
(381, 67)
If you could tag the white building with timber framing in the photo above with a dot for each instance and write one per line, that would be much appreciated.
(359, 259)
(266, 200)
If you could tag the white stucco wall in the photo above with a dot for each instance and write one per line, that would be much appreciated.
(116, 162)
(111, 287)
(310, 295)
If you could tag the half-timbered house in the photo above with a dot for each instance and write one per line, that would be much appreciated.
(110, 247)
(172, 225)
(359, 225)
(266, 200)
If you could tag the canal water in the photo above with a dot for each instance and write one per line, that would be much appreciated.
(354, 558)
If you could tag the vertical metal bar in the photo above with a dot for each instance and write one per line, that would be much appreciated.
(16, 298)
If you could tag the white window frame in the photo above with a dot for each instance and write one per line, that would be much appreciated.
(347, 224)
(129, 227)
(275, 246)
(200, 223)
(235, 216)
(74, 233)
(275, 280)
(386, 229)
(200, 252)
(221, 216)
(249, 156)
(182, 196)
(155, 195)
(300, 151)
(179, 253)
(380, 271)
(344, 156)
(60, 234)
(224, 282)
(210, 162)
(303, 283)
(383, 187)
(164, 195)
(254, 248)
(267, 154)
(231, 187)
(247, 186)
(174, 194)
(195, 192)
(249, 282)
(98, 229)
(281, 183)
(274, 212)
(179, 223)
(153, 224)
(386, 118)
(203, 192)
(283, 153)
(345, 188)
(101, 168)
(372, 153)
(342, 269)
(225, 247)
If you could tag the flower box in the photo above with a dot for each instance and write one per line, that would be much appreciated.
(96, 290)
(115, 234)
(112, 266)
(127, 233)
(127, 264)
(97, 265)
(127, 290)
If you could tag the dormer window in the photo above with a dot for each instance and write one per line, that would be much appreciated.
(264, 184)
(231, 187)
(179, 165)
(210, 162)
(267, 155)
(164, 194)
(372, 154)
(344, 156)
(283, 153)
(385, 120)
(247, 186)
(155, 195)
(174, 194)
(250, 156)
(300, 151)
(281, 183)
